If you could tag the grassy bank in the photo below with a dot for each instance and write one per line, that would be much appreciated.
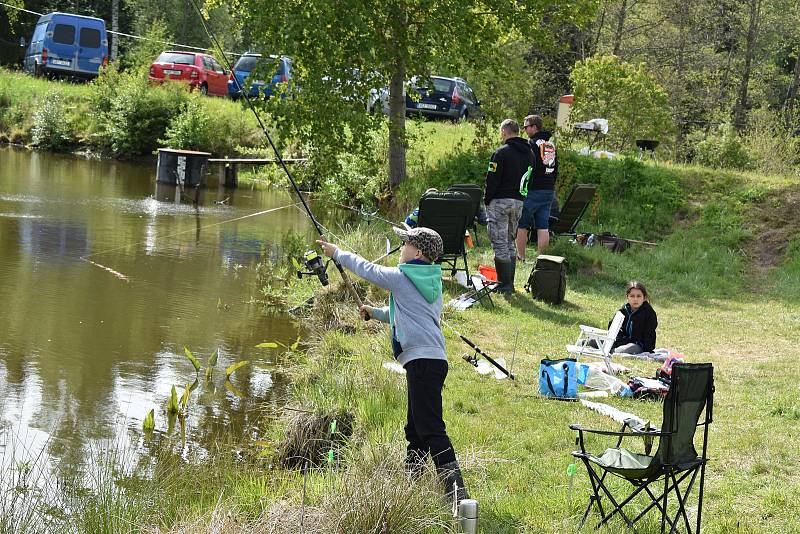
(724, 281)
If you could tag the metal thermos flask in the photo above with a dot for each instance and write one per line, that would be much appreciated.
(468, 516)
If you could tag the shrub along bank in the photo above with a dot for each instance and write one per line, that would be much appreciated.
(121, 115)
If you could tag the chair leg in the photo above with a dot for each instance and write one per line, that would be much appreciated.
(466, 269)
(617, 506)
(700, 494)
(664, 509)
(595, 497)
(655, 502)
(682, 499)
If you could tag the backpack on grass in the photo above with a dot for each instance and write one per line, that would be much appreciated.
(548, 280)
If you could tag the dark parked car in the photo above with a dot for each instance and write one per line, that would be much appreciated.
(449, 98)
(279, 66)
(200, 71)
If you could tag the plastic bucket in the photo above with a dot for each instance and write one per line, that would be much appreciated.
(489, 272)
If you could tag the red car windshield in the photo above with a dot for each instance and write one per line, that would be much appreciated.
(176, 57)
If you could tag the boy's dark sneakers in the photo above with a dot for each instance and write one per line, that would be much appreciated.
(450, 474)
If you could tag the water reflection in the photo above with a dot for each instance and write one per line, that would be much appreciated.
(84, 356)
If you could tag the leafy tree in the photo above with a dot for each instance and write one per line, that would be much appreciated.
(343, 49)
(634, 104)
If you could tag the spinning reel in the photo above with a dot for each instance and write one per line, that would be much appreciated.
(314, 267)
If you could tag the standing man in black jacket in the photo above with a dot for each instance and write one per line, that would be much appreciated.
(504, 201)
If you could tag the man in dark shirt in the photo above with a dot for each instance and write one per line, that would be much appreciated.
(504, 201)
(540, 187)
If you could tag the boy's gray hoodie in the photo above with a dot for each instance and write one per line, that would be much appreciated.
(415, 304)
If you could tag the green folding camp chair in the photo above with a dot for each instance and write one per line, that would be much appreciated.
(676, 461)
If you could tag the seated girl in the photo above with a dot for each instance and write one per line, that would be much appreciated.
(638, 332)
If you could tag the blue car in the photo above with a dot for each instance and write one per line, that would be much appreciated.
(249, 62)
(69, 45)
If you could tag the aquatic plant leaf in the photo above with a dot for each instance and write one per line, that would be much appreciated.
(212, 360)
(209, 372)
(230, 387)
(149, 423)
(185, 396)
(192, 358)
(267, 345)
(295, 344)
(232, 368)
(172, 404)
(171, 418)
(194, 385)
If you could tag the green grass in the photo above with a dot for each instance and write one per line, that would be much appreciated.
(715, 301)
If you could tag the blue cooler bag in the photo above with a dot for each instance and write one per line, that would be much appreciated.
(558, 378)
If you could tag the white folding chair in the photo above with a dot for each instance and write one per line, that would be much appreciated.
(604, 339)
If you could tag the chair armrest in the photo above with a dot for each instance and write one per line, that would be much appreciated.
(579, 428)
(593, 330)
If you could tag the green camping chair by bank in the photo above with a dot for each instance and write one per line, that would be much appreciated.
(579, 199)
(476, 194)
(675, 466)
(449, 213)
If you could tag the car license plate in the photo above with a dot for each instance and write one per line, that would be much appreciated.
(172, 72)
(426, 106)
(62, 62)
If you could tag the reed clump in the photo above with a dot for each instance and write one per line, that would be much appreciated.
(311, 438)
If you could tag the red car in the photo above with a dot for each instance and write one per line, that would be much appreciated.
(200, 71)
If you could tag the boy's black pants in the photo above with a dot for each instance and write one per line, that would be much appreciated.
(425, 428)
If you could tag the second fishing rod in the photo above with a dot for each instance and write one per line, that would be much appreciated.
(271, 144)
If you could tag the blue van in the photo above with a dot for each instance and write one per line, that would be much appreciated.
(249, 62)
(71, 45)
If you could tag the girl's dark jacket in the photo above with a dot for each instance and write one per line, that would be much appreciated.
(638, 327)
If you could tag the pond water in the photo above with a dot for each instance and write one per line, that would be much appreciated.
(101, 288)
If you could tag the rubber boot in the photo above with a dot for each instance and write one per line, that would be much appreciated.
(503, 268)
(450, 475)
(512, 272)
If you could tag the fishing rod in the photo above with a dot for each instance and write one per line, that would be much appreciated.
(316, 223)
(271, 144)
(478, 350)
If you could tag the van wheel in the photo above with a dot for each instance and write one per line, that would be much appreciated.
(203, 89)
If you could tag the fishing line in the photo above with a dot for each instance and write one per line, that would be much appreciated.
(275, 150)
(168, 236)
(363, 213)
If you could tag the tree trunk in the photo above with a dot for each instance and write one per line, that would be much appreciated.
(752, 35)
(397, 125)
(792, 94)
(115, 27)
(623, 11)
(397, 98)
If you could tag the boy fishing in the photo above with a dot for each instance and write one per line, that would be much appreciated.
(413, 314)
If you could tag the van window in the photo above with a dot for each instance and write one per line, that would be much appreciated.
(64, 34)
(90, 38)
(38, 34)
